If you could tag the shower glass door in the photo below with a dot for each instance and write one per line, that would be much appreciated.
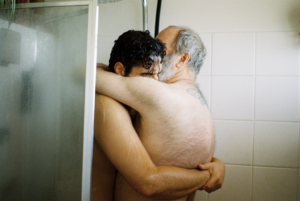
(47, 75)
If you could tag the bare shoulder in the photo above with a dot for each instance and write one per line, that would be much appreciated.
(147, 93)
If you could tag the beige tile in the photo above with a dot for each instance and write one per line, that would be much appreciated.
(234, 141)
(200, 196)
(277, 53)
(277, 99)
(276, 144)
(231, 15)
(276, 184)
(232, 98)
(236, 186)
(204, 83)
(206, 68)
(233, 54)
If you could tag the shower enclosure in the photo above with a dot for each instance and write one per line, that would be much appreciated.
(47, 75)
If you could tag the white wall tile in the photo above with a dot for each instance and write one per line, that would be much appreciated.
(206, 68)
(276, 184)
(204, 83)
(277, 53)
(277, 98)
(234, 141)
(200, 196)
(116, 18)
(233, 54)
(105, 44)
(236, 186)
(232, 98)
(231, 15)
(276, 144)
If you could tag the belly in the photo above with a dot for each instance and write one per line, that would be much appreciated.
(185, 150)
(123, 192)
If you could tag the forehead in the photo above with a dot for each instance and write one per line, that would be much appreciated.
(168, 36)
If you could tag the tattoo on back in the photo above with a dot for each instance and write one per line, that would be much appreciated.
(196, 94)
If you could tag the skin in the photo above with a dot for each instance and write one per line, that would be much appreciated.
(185, 79)
(113, 126)
(168, 36)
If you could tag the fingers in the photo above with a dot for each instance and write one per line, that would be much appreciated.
(212, 185)
(205, 166)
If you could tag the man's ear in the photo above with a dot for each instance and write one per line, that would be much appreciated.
(119, 68)
(183, 60)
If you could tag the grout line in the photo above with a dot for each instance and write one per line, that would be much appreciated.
(262, 166)
(233, 120)
(211, 64)
(266, 121)
(253, 123)
(252, 75)
(277, 75)
(210, 93)
(299, 133)
(233, 32)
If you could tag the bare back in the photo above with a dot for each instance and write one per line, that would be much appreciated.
(176, 131)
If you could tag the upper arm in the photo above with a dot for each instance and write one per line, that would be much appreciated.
(117, 138)
(140, 93)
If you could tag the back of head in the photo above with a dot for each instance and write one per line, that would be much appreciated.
(188, 41)
(135, 48)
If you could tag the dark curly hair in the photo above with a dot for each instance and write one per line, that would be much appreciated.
(135, 48)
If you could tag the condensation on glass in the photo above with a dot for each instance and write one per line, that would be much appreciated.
(42, 84)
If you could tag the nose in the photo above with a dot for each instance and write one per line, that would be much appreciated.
(155, 77)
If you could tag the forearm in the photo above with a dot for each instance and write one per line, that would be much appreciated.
(167, 182)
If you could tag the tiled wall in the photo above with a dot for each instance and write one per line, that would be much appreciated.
(250, 80)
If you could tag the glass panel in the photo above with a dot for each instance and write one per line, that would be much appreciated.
(42, 84)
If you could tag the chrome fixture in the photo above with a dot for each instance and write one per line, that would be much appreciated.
(145, 15)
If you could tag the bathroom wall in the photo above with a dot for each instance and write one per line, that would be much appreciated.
(250, 80)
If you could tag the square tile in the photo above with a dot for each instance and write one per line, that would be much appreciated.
(105, 44)
(206, 40)
(236, 186)
(231, 15)
(276, 144)
(232, 98)
(234, 141)
(277, 99)
(277, 53)
(233, 54)
(200, 196)
(116, 18)
(203, 83)
(276, 184)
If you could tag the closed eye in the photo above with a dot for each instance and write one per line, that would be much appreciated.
(147, 74)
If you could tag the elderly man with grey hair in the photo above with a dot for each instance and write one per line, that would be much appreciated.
(174, 124)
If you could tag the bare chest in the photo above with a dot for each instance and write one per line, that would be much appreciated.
(182, 139)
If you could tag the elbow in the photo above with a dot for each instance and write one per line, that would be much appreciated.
(149, 188)
(148, 192)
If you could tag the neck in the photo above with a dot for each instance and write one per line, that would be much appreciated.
(182, 75)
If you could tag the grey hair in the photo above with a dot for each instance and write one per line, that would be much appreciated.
(189, 42)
